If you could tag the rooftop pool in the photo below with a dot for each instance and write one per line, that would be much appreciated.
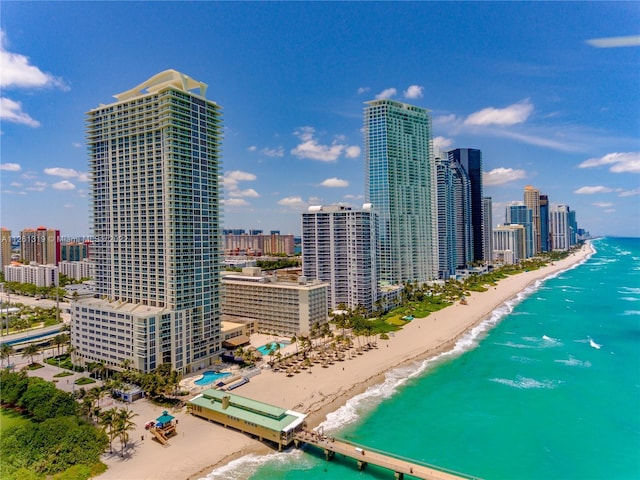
(264, 349)
(210, 377)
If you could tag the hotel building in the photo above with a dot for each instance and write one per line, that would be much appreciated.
(284, 308)
(155, 163)
(400, 175)
(509, 245)
(339, 248)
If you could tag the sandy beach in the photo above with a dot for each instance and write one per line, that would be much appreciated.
(200, 446)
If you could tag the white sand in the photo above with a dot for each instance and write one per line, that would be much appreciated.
(200, 446)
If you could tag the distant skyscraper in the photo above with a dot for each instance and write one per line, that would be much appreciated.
(517, 213)
(560, 227)
(532, 201)
(544, 223)
(5, 252)
(487, 237)
(40, 245)
(339, 247)
(401, 185)
(155, 165)
(509, 244)
(471, 160)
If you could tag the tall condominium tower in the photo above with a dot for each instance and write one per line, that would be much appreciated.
(40, 245)
(454, 216)
(487, 236)
(532, 201)
(560, 227)
(339, 247)
(5, 251)
(154, 157)
(517, 213)
(471, 160)
(400, 176)
(544, 224)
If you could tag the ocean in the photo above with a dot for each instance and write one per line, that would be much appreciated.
(548, 387)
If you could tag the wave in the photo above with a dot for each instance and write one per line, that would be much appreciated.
(629, 299)
(630, 290)
(594, 344)
(246, 466)
(527, 383)
(574, 362)
(631, 312)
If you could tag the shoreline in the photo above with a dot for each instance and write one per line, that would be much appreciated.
(322, 391)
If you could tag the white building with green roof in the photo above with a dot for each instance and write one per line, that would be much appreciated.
(265, 421)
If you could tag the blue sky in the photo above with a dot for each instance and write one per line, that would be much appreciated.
(550, 92)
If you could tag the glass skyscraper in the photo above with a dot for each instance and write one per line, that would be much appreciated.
(400, 175)
(155, 164)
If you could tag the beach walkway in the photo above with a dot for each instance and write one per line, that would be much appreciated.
(365, 455)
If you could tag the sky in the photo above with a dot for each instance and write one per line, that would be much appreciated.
(549, 92)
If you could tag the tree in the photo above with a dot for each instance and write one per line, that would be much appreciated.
(30, 351)
(6, 351)
(123, 425)
(108, 421)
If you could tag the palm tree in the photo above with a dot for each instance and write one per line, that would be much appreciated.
(108, 420)
(6, 351)
(124, 424)
(30, 351)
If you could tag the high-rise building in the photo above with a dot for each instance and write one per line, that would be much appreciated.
(455, 241)
(471, 160)
(560, 227)
(509, 244)
(155, 163)
(487, 236)
(400, 177)
(40, 245)
(532, 201)
(339, 248)
(544, 223)
(517, 213)
(75, 251)
(5, 251)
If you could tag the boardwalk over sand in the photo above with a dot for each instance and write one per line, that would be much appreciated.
(365, 455)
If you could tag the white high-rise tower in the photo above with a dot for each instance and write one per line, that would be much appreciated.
(155, 161)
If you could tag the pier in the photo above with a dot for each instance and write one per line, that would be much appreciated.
(365, 455)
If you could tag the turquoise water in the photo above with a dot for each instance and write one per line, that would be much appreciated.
(210, 377)
(547, 388)
(264, 349)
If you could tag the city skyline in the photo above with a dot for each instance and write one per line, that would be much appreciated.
(535, 87)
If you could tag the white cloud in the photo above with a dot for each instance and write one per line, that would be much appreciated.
(293, 202)
(64, 185)
(362, 90)
(414, 91)
(500, 176)
(602, 204)
(250, 192)
(353, 197)
(252, 148)
(10, 167)
(230, 179)
(629, 193)
(388, 93)
(11, 111)
(615, 42)
(335, 183)
(620, 162)
(273, 152)
(592, 190)
(76, 145)
(442, 142)
(15, 184)
(68, 205)
(310, 147)
(236, 202)
(352, 151)
(67, 173)
(17, 71)
(511, 115)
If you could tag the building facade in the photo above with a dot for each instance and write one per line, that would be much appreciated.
(284, 308)
(5, 250)
(77, 270)
(509, 244)
(400, 177)
(40, 245)
(517, 213)
(38, 275)
(487, 222)
(532, 201)
(257, 244)
(560, 226)
(155, 164)
(339, 248)
(544, 223)
(471, 161)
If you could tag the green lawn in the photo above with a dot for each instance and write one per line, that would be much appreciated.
(9, 418)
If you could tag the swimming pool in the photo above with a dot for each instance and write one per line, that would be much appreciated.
(209, 377)
(264, 349)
